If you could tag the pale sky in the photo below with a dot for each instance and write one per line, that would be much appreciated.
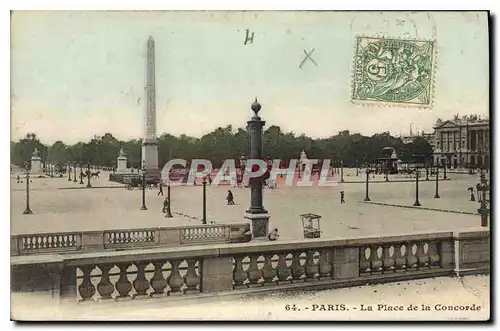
(76, 74)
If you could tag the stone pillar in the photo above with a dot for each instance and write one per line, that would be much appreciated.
(121, 162)
(256, 213)
(36, 165)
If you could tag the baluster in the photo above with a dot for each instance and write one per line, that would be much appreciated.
(73, 240)
(123, 285)
(283, 270)
(268, 272)
(254, 274)
(423, 257)
(388, 260)
(312, 269)
(24, 243)
(175, 280)
(86, 289)
(158, 282)
(400, 263)
(364, 261)
(239, 275)
(297, 268)
(411, 258)
(105, 287)
(141, 284)
(50, 243)
(39, 242)
(191, 278)
(434, 257)
(325, 267)
(375, 261)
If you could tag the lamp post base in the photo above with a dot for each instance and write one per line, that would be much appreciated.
(168, 214)
(27, 211)
(367, 199)
(144, 208)
(416, 203)
(436, 196)
(259, 225)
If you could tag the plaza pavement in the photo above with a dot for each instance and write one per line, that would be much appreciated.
(58, 209)
(468, 290)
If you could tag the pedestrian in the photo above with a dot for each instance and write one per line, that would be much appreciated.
(342, 197)
(273, 235)
(209, 180)
(230, 198)
(166, 204)
(160, 186)
(17, 177)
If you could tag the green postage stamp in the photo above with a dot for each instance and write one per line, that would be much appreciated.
(393, 71)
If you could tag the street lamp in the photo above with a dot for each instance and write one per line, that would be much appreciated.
(88, 176)
(426, 169)
(436, 196)
(416, 203)
(204, 182)
(482, 190)
(168, 213)
(341, 171)
(27, 210)
(74, 172)
(81, 174)
(367, 198)
(69, 173)
(143, 170)
(387, 170)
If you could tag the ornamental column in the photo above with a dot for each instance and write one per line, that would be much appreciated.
(256, 213)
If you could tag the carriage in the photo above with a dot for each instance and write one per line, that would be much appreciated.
(132, 182)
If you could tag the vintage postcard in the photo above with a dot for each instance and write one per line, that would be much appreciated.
(250, 165)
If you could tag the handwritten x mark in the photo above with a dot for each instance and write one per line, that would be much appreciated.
(308, 56)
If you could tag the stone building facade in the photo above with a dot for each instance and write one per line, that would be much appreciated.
(462, 142)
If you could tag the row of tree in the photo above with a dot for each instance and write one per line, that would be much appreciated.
(220, 144)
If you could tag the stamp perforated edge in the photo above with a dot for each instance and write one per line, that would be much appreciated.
(386, 104)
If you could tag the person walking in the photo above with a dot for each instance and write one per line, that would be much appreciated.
(160, 191)
(342, 197)
(17, 177)
(230, 198)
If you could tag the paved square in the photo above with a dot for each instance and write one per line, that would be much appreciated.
(110, 206)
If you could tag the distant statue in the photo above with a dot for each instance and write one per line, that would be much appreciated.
(303, 156)
(121, 153)
(36, 153)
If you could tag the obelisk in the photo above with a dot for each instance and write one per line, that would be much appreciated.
(149, 141)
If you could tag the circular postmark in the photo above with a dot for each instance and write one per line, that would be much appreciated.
(394, 70)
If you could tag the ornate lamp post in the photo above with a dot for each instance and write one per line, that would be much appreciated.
(387, 170)
(357, 168)
(436, 196)
(27, 210)
(81, 174)
(426, 169)
(342, 171)
(69, 173)
(168, 214)
(143, 170)
(256, 213)
(444, 171)
(367, 198)
(74, 172)
(416, 203)
(204, 182)
(88, 176)
(482, 190)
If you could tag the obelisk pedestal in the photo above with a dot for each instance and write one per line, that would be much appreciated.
(149, 141)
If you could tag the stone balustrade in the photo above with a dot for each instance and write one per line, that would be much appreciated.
(95, 241)
(249, 267)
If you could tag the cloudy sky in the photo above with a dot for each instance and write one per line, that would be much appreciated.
(76, 74)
